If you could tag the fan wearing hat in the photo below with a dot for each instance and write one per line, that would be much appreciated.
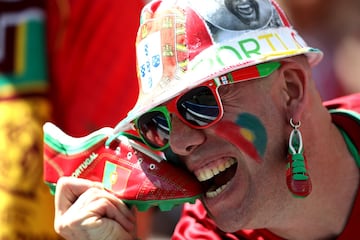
(226, 87)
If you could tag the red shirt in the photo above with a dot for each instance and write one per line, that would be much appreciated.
(195, 223)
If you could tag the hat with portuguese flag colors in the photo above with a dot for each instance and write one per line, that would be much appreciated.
(182, 43)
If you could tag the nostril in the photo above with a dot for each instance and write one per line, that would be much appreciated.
(189, 148)
(183, 138)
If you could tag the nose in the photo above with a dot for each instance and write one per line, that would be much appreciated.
(184, 139)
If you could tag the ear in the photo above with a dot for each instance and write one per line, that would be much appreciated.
(294, 76)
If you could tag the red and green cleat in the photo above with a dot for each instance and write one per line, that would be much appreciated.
(126, 168)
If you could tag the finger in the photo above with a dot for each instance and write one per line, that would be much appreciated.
(101, 203)
(84, 198)
(68, 190)
(81, 196)
(107, 205)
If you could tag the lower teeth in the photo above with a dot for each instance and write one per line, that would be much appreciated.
(212, 194)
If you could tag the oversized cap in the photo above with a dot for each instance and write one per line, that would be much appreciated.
(182, 43)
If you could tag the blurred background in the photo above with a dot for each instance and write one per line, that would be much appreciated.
(72, 62)
(333, 27)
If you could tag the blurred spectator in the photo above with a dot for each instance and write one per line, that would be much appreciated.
(92, 62)
(347, 53)
(338, 37)
(26, 206)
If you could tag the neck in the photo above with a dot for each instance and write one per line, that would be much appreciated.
(335, 179)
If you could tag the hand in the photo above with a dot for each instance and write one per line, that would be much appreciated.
(84, 210)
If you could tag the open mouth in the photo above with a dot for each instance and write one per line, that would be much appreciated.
(215, 178)
(245, 9)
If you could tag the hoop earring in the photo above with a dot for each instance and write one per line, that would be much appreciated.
(297, 178)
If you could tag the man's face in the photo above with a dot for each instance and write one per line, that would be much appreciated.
(241, 159)
(246, 10)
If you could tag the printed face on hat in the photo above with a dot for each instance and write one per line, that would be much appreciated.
(237, 15)
(246, 10)
(230, 17)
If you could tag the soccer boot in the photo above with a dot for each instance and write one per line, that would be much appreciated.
(125, 167)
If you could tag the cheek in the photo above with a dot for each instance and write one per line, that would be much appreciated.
(247, 133)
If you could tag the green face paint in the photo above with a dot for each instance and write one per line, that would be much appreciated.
(247, 133)
(253, 130)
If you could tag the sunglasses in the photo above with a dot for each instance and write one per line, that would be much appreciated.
(199, 107)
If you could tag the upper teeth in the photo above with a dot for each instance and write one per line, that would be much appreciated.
(208, 173)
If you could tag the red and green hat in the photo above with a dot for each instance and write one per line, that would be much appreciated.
(182, 43)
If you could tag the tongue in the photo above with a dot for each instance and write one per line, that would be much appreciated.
(222, 178)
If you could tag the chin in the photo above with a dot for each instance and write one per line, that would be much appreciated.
(230, 220)
(228, 226)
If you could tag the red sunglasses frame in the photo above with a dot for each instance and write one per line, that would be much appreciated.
(244, 74)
